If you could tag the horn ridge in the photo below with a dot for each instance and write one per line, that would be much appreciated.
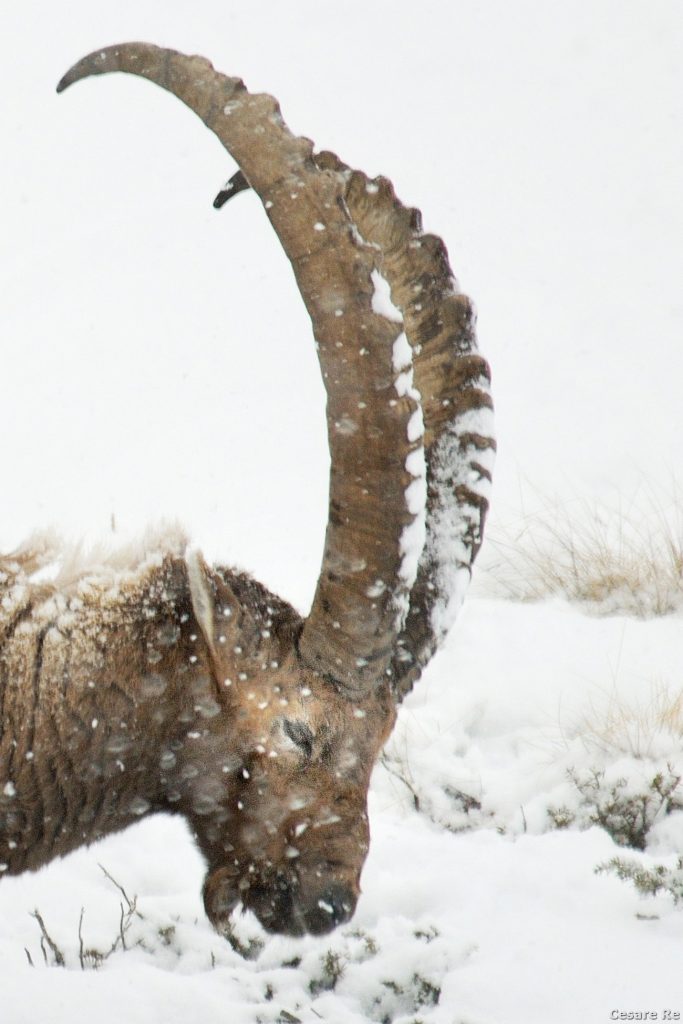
(453, 382)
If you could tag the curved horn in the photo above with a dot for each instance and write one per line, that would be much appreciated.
(365, 578)
(394, 566)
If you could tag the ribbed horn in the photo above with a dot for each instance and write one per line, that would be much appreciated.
(371, 544)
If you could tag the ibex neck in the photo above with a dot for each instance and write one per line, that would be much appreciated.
(98, 691)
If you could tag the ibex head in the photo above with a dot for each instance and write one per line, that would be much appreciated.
(278, 800)
(213, 698)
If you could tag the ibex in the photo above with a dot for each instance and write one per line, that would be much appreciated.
(166, 685)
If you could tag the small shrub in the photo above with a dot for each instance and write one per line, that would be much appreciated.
(370, 946)
(426, 992)
(410, 997)
(624, 811)
(248, 950)
(166, 934)
(333, 965)
(561, 817)
(648, 881)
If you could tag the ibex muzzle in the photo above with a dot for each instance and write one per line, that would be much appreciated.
(162, 684)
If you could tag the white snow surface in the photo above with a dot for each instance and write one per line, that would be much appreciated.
(159, 363)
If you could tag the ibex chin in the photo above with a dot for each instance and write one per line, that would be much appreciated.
(166, 685)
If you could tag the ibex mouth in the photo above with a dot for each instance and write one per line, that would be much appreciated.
(282, 910)
(281, 903)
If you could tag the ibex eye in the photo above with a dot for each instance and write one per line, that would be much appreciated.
(299, 734)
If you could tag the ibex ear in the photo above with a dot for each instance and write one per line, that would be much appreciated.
(214, 604)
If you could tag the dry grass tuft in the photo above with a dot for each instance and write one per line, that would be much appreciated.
(641, 727)
(636, 727)
(615, 560)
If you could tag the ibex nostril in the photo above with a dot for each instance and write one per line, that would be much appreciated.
(339, 904)
(333, 907)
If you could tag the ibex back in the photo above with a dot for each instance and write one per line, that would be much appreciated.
(163, 684)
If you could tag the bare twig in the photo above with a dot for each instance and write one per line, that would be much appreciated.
(122, 925)
(56, 951)
(131, 903)
(81, 953)
(387, 764)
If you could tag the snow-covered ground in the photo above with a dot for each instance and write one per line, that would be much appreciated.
(158, 363)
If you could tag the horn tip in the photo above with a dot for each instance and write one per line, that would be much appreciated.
(74, 74)
(101, 61)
